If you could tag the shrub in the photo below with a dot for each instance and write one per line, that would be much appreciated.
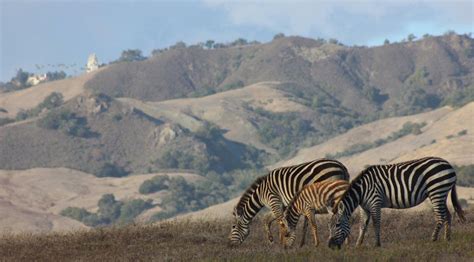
(131, 209)
(109, 208)
(459, 97)
(462, 132)
(5, 121)
(131, 55)
(153, 185)
(57, 75)
(52, 101)
(110, 211)
(66, 121)
(82, 215)
(111, 170)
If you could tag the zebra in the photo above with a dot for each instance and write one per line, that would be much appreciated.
(276, 189)
(316, 198)
(401, 185)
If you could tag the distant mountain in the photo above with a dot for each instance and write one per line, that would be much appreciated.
(391, 78)
(314, 91)
(227, 113)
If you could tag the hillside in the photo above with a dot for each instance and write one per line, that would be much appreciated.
(31, 200)
(440, 123)
(439, 138)
(225, 114)
(364, 80)
(28, 98)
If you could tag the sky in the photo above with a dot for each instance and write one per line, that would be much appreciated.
(39, 35)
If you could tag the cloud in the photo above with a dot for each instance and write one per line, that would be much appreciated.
(350, 21)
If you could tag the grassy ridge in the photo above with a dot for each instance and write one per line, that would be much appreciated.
(404, 237)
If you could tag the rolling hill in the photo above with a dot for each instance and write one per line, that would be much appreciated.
(31, 200)
(218, 112)
(440, 125)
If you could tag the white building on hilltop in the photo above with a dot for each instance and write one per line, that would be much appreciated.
(92, 63)
(36, 79)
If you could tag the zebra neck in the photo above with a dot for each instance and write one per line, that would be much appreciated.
(253, 206)
(352, 198)
(293, 215)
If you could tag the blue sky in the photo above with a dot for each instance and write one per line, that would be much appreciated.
(66, 32)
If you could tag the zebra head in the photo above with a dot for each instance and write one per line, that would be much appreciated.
(339, 226)
(240, 228)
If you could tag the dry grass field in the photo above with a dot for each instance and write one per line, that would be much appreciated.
(404, 237)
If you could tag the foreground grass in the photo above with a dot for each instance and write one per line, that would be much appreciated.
(404, 237)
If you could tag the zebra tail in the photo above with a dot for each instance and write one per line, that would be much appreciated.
(456, 205)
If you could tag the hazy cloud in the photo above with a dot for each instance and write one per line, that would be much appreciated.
(350, 21)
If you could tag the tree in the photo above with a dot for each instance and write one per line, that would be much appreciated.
(411, 37)
(278, 36)
(386, 42)
(109, 208)
(178, 45)
(209, 44)
(58, 75)
(111, 170)
(21, 78)
(333, 41)
(239, 42)
(153, 185)
(131, 55)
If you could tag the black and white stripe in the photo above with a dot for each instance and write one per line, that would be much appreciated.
(399, 186)
(276, 190)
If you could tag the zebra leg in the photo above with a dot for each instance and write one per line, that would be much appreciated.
(364, 222)
(268, 220)
(439, 209)
(277, 209)
(447, 226)
(305, 228)
(376, 212)
(311, 217)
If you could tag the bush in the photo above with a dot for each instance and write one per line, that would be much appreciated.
(283, 131)
(109, 208)
(110, 211)
(131, 55)
(82, 215)
(153, 185)
(58, 75)
(52, 101)
(5, 121)
(111, 170)
(459, 97)
(131, 209)
(67, 122)
(462, 132)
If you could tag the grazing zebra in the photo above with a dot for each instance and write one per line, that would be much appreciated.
(275, 191)
(401, 185)
(316, 198)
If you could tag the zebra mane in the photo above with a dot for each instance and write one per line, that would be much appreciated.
(247, 194)
(353, 181)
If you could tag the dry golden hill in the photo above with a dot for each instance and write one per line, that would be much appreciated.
(442, 126)
(438, 138)
(31, 200)
(226, 109)
(30, 97)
